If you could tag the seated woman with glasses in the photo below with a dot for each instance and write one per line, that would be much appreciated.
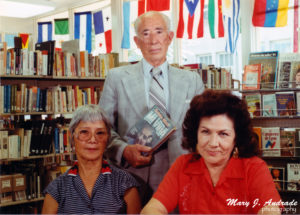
(91, 185)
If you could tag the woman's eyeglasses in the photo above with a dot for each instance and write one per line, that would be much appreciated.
(86, 134)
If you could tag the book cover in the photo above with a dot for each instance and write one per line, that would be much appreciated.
(257, 131)
(284, 75)
(278, 177)
(293, 176)
(297, 103)
(251, 77)
(270, 142)
(290, 63)
(269, 105)
(285, 103)
(4, 140)
(297, 142)
(254, 104)
(269, 61)
(287, 142)
(152, 130)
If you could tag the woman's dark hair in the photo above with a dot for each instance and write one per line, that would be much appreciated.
(212, 103)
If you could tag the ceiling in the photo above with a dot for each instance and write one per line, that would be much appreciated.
(54, 4)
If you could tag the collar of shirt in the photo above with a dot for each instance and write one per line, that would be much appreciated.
(104, 170)
(147, 67)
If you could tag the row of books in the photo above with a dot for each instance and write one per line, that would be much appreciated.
(286, 103)
(286, 178)
(20, 98)
(25, 183)
(46, 61)
(271, 70)
(278, 142)
(35, 139)
(212, 77)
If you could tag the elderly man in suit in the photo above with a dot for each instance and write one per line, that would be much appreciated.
(130, 91)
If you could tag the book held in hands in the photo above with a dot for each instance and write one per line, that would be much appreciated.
(152, 130)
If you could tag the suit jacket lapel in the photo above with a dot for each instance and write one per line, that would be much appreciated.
(178, 93)
(134, 87)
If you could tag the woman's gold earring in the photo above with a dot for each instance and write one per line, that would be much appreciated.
(235, 152)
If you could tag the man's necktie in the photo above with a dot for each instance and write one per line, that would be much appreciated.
(156, 93)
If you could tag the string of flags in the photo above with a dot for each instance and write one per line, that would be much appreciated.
(223, 21)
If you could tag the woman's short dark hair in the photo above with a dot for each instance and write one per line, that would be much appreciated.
(212, 103)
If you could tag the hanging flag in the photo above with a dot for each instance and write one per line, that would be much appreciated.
(102, 24)
(231, 12)
(9, 39)
(215, 18)
(158, 5)
(61, 31)
(83, 30)
(190, 24)
(44, 31)
(141, 7)
(270, 13)
(296, 25)
(61, 26)
(25, 40)
(126, 23)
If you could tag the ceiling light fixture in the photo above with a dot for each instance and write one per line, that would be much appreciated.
(22, 10)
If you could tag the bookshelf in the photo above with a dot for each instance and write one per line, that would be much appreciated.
(281, 162)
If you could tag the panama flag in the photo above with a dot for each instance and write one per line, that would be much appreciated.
(215, 18)
(102, 24)
(231, 12)
(44, 31)
(190, 23)
(83, 30)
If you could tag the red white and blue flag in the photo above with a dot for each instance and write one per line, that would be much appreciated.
(102, 24)
(190, 23)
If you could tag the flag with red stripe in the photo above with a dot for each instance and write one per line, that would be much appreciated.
(215, 18)
(190, 23)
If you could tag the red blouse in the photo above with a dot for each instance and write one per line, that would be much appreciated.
(245, 186)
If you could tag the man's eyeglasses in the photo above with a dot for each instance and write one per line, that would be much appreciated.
(85, 134)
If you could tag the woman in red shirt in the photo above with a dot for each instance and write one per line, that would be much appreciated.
(222, 174)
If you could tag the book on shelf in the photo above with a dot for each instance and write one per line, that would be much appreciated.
(297, 95)
(278, 174)
(49, 47)
(293, 176)
(289, 63)
(269, 61)
(152, 130)
(286, 105)
(288, 142)
(270, 139)
(254, 104)
(269, 105)
(257, 131)
(251, 77)
(3, 55)
(4, 144)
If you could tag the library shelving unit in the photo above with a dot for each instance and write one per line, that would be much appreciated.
(290, 121)
(38, 162)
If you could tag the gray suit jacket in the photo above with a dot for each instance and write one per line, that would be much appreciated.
(123, 99)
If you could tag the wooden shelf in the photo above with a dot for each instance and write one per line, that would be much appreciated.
(50, 77)
(21, 202)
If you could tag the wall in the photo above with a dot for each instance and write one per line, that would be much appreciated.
(17, 25)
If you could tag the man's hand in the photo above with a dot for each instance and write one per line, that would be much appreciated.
(132, 154)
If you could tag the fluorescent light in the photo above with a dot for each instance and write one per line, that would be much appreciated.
(22, 10)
